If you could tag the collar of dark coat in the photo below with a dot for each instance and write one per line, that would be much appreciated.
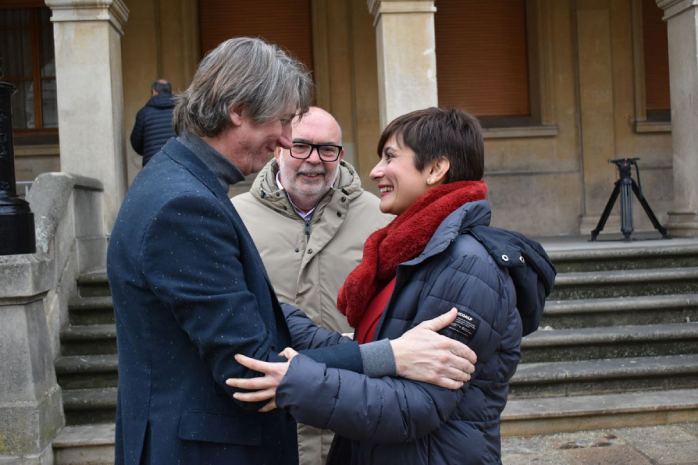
(469, 215)
(180, 154)
(499, 242)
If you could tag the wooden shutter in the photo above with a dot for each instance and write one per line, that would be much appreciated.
(656, 51)
(284, 22)
(481, 56)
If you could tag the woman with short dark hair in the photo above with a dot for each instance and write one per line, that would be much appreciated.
(437, 254)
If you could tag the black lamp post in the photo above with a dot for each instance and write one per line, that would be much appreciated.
(17, 234)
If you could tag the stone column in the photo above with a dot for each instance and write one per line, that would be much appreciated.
(682, 26)
(598, 138)
(87, 36)
(406, 56)
(31, 412)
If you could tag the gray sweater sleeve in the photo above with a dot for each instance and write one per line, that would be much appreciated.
(378, 359)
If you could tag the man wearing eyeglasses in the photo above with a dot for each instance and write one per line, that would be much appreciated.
(309, 218)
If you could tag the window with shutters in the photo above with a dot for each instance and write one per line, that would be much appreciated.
(493, 60)
(286, 23)
(26, 47)
(651, 62)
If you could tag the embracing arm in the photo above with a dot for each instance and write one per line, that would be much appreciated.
(305, 334)
(421, 354)
(389, 410)
(380, 410)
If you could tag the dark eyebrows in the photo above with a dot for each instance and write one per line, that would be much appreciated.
(304, 141)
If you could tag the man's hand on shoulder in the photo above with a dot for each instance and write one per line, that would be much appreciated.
(421, 354)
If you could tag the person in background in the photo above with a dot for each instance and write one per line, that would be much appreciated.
(309, 218)
(153, 125)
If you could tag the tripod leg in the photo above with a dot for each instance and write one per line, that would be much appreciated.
(606, 211)
(626, 209)
(648, 210)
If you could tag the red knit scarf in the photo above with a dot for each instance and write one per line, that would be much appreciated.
(402, 240)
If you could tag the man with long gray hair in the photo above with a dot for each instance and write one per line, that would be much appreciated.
(190, 290)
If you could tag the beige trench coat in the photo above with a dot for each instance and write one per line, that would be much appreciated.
(307, 263)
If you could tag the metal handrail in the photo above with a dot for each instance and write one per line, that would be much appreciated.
(27, 185)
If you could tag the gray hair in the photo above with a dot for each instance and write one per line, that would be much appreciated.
(242, 72)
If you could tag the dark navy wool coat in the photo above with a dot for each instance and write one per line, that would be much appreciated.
(189, 292)
(382, 421)
(153, 127)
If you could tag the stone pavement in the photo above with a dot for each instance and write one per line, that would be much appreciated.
(644, 445)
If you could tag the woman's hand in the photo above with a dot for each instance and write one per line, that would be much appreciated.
(262, 388)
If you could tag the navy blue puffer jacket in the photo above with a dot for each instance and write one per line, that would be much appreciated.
(153, 126)
(398, 421)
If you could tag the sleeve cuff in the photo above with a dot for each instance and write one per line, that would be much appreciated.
(378, 359)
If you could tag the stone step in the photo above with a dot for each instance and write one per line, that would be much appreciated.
(91, 311)
(640, 310)
(89, 406)
(607, 284)
(94, 284)
(605, 376)
(579, 413)
(609, 342)
(85, 445)
(655, 254)
(87, 371)
(88, 340)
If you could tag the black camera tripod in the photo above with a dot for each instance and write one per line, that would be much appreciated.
(623, 187)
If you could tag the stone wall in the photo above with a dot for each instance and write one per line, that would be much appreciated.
(541, 181)
(34, 293)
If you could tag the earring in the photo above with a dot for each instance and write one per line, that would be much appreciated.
(429, 181)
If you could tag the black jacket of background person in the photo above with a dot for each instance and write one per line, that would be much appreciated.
(153, 126)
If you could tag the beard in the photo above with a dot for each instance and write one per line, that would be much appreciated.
(296, 185)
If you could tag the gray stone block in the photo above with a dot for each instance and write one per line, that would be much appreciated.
(604, 376)
(610, 342)
(25, 276)
(46, 457)
(643, 310)
(665, 254)
(604, 284)
(85, 445)
(30, 400)
(91, 311)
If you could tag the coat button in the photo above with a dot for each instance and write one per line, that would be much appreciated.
(344, 199)
(522, 259)
(310, 250)
(297, 250)
(339, 214)
(505, 258)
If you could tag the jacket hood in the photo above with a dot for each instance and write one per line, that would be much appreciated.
(529, 266)
(469, 215)
(265, 189)
(162, 101)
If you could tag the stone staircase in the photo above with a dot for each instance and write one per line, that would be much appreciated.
(87, 372)
(618, 344)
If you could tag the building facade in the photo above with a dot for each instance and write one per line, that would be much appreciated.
(560, 86)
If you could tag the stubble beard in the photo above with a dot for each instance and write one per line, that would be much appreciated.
(311, 193)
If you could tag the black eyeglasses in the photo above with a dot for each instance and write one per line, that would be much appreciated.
(326, 152)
